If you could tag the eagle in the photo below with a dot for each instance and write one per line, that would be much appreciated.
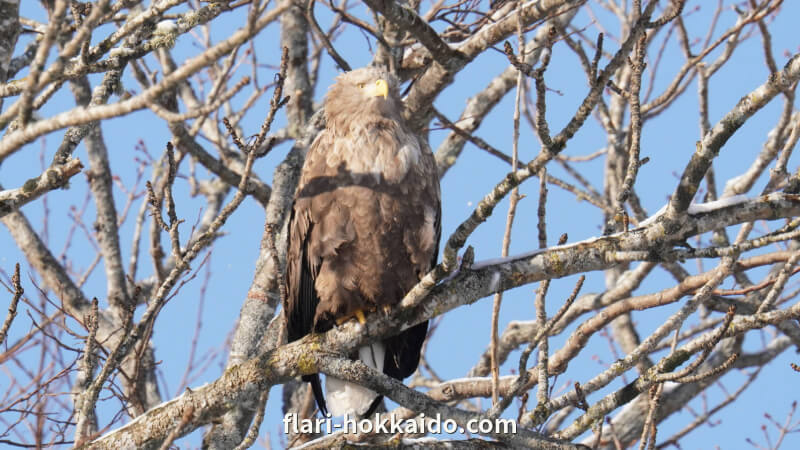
(364, 229)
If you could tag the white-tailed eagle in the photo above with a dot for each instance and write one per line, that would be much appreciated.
(364, 229)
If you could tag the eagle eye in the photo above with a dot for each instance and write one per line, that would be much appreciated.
(361, 85)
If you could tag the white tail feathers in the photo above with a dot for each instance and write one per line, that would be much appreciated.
(348, 398)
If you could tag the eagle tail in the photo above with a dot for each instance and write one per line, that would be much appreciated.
(316, 389)
(350, 398)
(373, 407)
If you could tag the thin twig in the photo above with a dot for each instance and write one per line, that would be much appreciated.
(12, 307)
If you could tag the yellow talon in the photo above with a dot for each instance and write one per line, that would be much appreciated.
(359, 314)
(387, 309)
(342, 320)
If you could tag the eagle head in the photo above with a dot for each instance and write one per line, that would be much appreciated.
(362, 96)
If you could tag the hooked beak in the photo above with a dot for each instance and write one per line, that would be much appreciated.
(379, 89)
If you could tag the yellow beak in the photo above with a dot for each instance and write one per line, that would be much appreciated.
(380, 89)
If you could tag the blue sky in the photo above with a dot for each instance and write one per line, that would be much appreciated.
(463, 334)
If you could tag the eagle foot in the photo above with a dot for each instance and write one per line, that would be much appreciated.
(358, 314)
(387, 309)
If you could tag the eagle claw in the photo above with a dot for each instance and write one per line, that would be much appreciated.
(358, 314)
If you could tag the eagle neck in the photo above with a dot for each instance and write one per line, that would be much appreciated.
(375, 145)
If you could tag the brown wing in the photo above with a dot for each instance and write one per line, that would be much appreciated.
(403, 350)
(302, 299)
